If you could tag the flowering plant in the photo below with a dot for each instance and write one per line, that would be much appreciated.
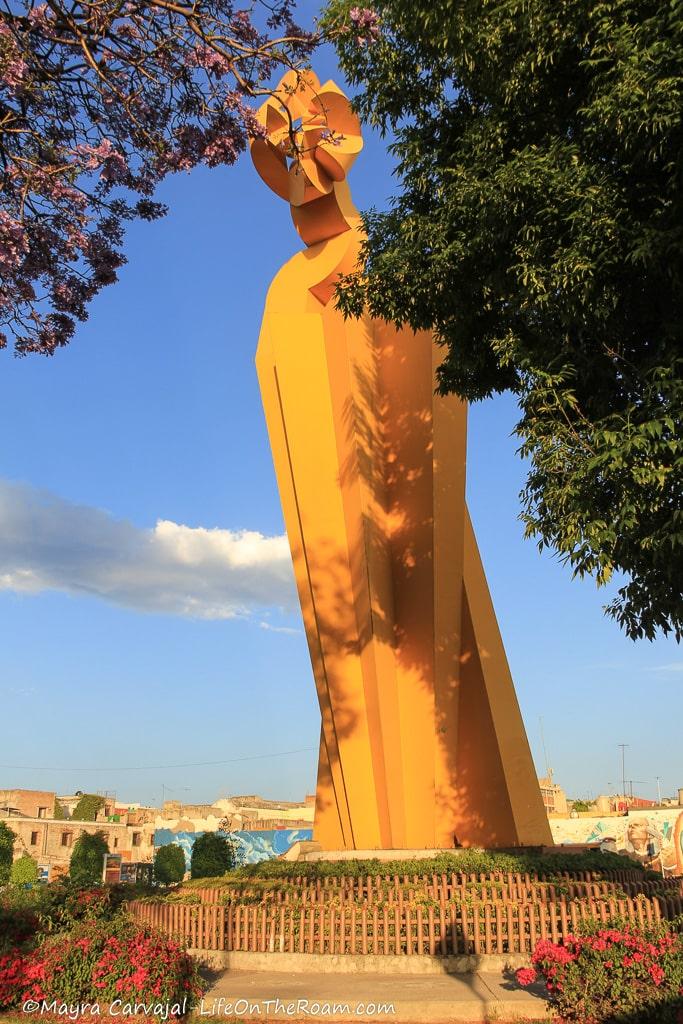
(100, 102)
(12, 978)
(365, 24)
(101, 963)
(608, 973)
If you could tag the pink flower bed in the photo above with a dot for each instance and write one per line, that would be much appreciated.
(612, 973)
(101, 964)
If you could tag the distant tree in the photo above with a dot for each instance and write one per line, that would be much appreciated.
(7, 837)
(87, 859)
(88, 807)
(58, 812)
(212, 855)
(169, 864)
(582, 805)
(24, 870)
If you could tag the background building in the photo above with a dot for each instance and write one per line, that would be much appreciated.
(554, 797)
(29, 803)
(50, 840)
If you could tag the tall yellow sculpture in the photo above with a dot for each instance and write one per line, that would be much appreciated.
(422, 742)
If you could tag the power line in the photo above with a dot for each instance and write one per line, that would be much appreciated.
(160, 767)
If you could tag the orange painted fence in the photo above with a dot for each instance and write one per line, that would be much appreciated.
(488, 888)
(405, 929)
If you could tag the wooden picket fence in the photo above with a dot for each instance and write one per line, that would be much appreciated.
(402, 929)
(491, 888)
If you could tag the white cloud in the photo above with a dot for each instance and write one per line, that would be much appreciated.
(47, 543)
(672, 666)
(280, 629)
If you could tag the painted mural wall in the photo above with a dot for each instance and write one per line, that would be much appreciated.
(252, 847)
(654, 837)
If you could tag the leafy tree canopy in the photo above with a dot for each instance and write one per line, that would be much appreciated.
(99, 102)
(87, 859)
(88, 807)
(7, 837)
(24, 870)
(169, 864)
(538, 229)
(58, 811)
(212, 855)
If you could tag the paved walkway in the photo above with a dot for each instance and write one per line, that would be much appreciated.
(413, 999)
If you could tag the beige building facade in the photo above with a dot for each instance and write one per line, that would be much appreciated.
(29, 803)
(50, 841)
(554, 797)
(242, 813)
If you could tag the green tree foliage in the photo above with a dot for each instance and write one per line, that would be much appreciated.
(24, 871)
(212, 855)
(87, 859)
(88, 807)
(538, 230)
(7, 837)
(582, 805)
(169, 864)
(58, 811)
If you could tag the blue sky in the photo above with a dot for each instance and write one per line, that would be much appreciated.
(115, 650)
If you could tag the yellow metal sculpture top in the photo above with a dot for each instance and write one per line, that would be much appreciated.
(422, 743)
(312, 138)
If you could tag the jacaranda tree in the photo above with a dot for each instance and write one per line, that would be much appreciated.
(99, 101)
(538, 230)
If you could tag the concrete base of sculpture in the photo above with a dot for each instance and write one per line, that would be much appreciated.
(313, 853)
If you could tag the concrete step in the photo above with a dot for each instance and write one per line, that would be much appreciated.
(399, 999)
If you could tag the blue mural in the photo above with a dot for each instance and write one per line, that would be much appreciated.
(252, 847)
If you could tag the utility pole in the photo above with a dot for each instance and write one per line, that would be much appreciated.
(171, 789)
(548, 769)
(623, 747)
(659, 792)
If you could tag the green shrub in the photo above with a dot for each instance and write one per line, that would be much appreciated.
(612, 973)
(169, 864)
(87, 859)
(59, 906)
(468, 861)
(18, 927)
(24, 871)
(212, 855)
